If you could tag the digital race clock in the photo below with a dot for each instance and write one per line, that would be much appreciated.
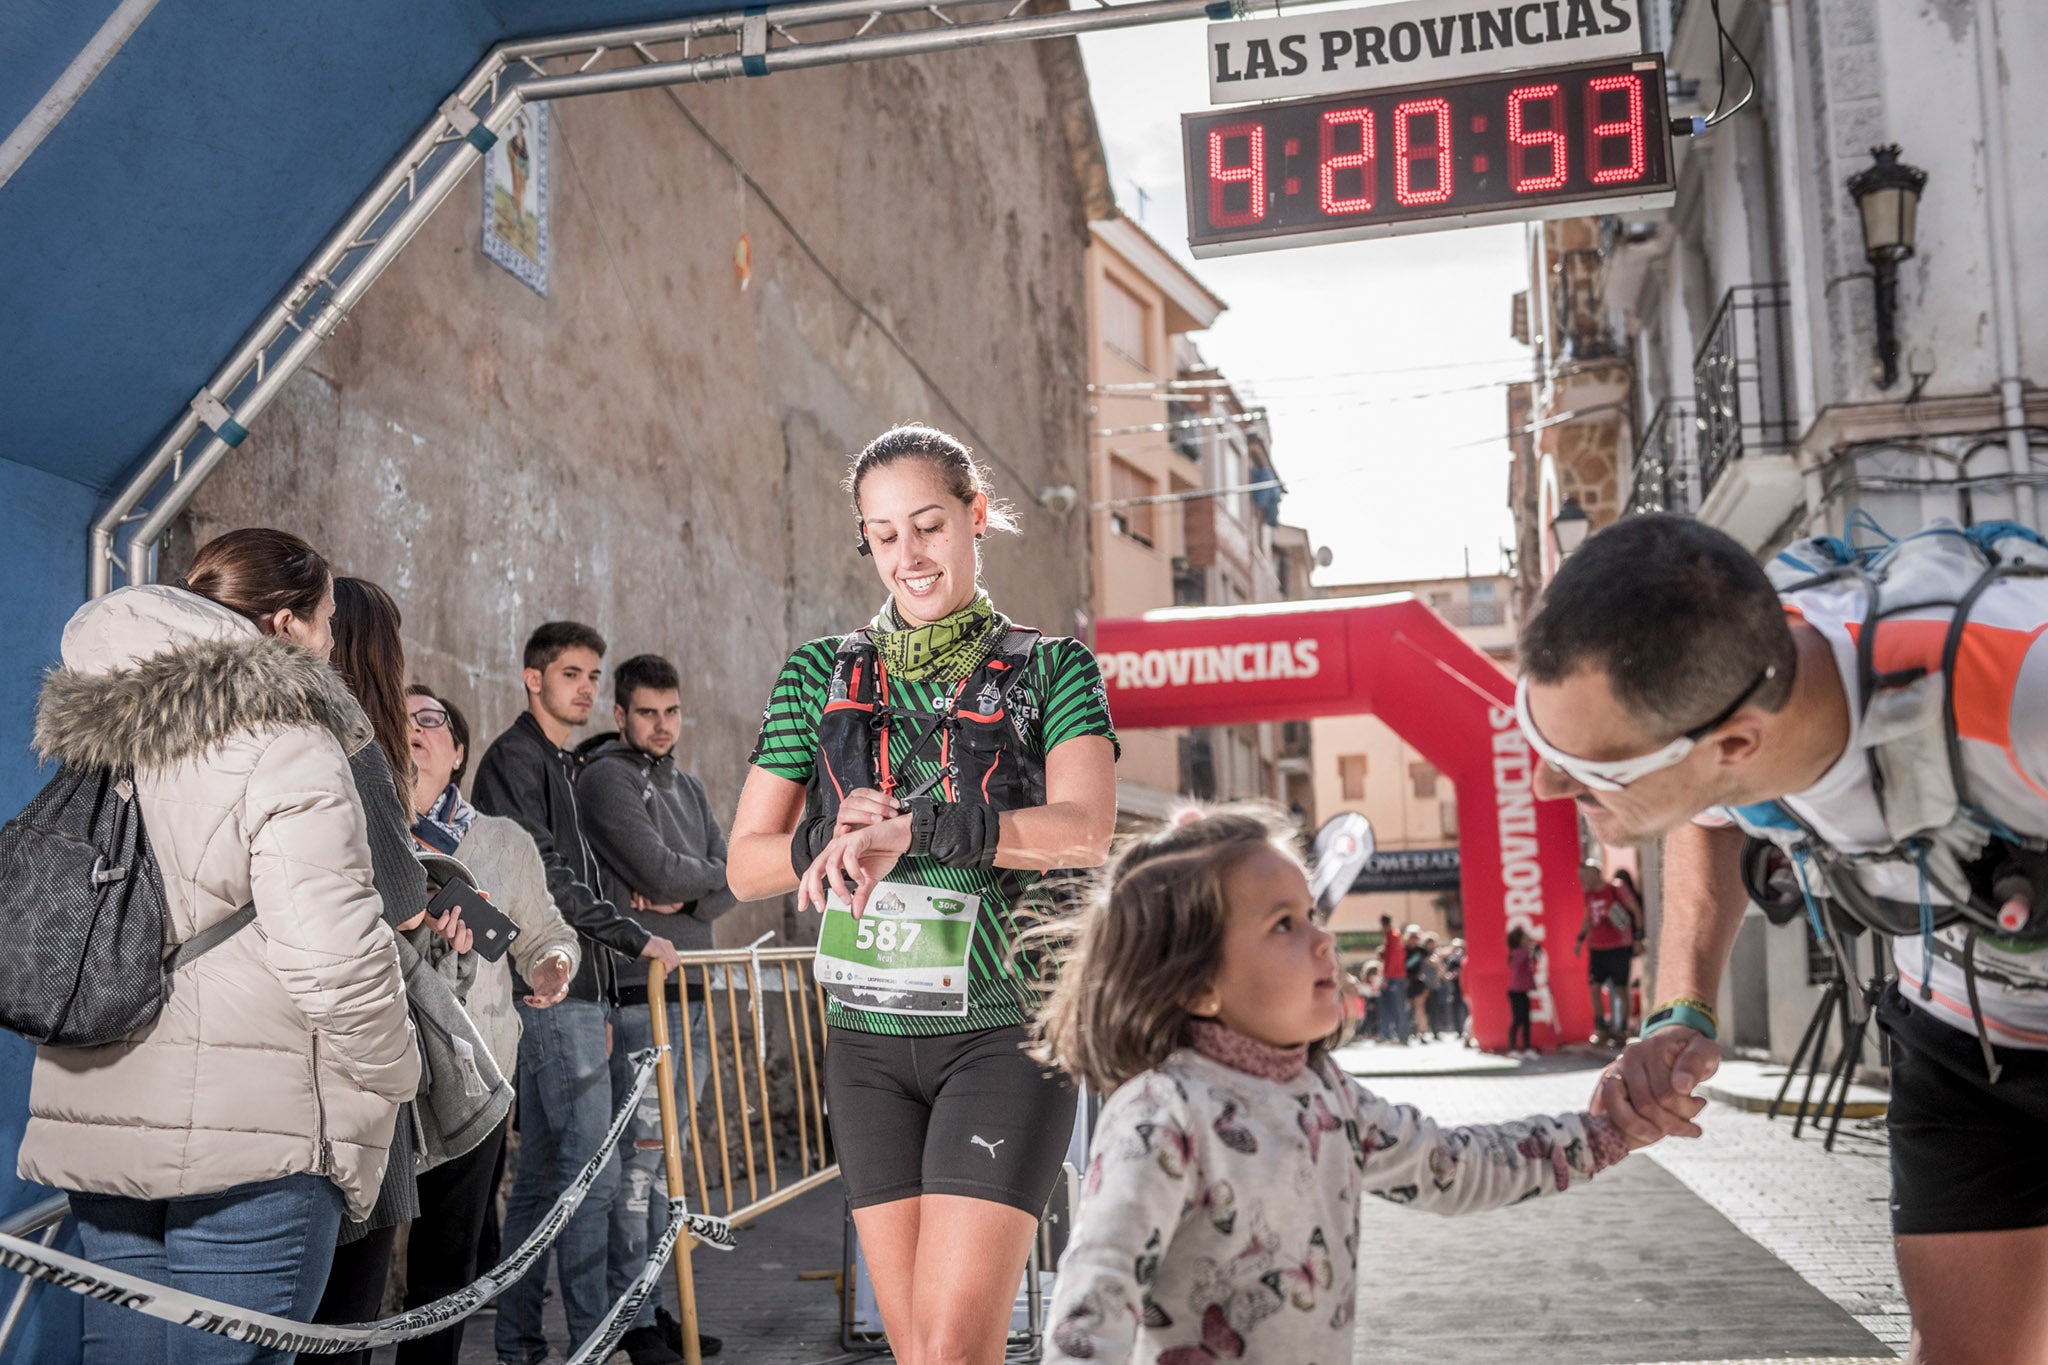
(1489, 149)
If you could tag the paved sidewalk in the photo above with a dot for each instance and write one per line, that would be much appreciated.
(1743, 1245)
(1825, 1217)
(750, 1298)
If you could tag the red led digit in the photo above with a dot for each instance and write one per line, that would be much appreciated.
(1437, 150)
(1365, 161)
(1252, 175)
(1630, 127)
(1522, 139)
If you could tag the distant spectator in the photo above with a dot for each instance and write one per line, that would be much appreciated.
(1394, 1017)
(1370, 983)
(1421, 974)
(1608, 936)
(1521, 981)
(1454, 985)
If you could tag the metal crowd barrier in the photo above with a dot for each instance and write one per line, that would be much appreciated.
(759, 973)
(787, 1036)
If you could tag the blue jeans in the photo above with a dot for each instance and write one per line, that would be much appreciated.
(265, 1246)
(565, 1105)
(638, 1218)
(1396, 1020)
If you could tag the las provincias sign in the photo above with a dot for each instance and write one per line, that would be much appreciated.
(1410, 43)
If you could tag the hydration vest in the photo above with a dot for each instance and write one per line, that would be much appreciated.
(1907, 605)
(984, 749)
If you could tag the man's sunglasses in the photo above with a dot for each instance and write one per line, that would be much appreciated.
(1615, 774)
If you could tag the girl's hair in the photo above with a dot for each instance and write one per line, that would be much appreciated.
(963, 475)
(1147, 941)
(1627, 879)
(369, 653)
(1515, 938)
(257, 572)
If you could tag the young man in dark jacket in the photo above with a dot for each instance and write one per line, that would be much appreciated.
(564, 1071)
(659, 851)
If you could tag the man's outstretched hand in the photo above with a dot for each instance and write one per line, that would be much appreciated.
(1647, 1092)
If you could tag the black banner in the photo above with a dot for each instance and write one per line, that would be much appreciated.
(1409, 869)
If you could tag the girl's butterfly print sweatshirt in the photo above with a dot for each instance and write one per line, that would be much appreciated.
(1219, 1219)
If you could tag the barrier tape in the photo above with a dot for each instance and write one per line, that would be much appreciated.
(617, 1322)
(36, 1262)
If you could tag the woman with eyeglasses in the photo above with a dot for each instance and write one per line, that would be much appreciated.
(442, 1256)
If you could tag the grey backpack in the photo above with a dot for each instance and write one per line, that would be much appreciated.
(83, 906)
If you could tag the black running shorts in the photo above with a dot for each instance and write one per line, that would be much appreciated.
(1967, 1155)
(961, 1113)
(1610, 966)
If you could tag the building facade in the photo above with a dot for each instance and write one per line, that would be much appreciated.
(1184, 502)
(1362, 765)
(1777, 355)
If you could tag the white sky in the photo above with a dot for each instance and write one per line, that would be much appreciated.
(1337, 340)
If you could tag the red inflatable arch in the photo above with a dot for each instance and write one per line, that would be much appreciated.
(1394, 658)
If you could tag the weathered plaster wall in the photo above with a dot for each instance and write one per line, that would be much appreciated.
(656, 451)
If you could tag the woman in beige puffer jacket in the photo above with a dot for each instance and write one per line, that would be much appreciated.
(286, 1050)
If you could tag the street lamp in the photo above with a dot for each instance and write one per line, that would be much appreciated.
(1887, 195)
(1570, 527)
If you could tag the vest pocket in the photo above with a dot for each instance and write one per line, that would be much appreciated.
(989, 771)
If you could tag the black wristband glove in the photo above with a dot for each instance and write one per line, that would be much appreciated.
(808, 842)
(965, 835)
(924, 823)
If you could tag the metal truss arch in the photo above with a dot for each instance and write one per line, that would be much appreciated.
(753, 42)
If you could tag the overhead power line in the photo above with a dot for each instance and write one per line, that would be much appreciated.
(1189, 495)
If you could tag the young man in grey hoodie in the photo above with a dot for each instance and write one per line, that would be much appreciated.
(661, 852)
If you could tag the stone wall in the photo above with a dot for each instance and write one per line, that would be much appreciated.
(656, 450)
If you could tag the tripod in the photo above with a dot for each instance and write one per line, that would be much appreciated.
(1855, 1024)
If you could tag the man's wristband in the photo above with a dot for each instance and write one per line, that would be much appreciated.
(1688, 1011)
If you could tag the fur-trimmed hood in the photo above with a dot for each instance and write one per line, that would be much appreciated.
(154, 675)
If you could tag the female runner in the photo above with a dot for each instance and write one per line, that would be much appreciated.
(912, 781)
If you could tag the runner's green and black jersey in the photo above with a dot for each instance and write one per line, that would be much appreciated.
(1063, 688)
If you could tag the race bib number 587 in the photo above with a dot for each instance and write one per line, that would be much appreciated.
(907, 955)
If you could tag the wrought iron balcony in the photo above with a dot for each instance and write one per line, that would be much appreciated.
(1667, 473)
(1739, 381)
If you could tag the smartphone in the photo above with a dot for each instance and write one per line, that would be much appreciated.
(493, 928)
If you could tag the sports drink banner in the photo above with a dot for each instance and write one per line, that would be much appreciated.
(1394, 658)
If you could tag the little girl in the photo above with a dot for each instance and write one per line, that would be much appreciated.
(1219, 1219)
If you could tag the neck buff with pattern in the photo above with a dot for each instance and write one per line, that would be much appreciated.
(947, 650)
(1221, 1043)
